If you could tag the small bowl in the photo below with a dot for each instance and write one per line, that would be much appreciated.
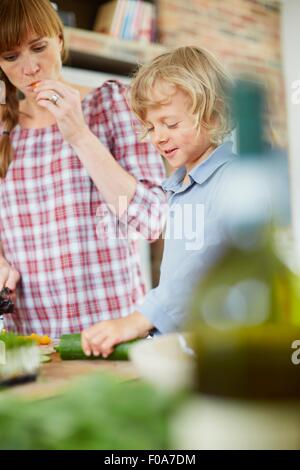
(165, 361)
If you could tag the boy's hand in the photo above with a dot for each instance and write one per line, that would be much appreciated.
(102, 337)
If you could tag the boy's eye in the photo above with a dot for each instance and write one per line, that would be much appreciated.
(150, 129)
(172, 126)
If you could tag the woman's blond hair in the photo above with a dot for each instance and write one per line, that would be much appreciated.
(18, 18)
(196, 72)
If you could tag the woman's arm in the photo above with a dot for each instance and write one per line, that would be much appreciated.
(134, 192)
(108, 176)
(127, 173)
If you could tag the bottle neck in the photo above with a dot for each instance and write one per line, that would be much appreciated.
(249, 112)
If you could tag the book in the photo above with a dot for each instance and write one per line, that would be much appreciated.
(118, 18)
(136, 21)
(146, 23)
(105, 17)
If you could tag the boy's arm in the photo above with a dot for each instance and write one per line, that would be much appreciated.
(102, 337)
(166, 306)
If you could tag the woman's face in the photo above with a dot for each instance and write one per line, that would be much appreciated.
(38, 58)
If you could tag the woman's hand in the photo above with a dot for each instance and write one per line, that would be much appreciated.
(66, 108)
(9, 277)
(101, 338)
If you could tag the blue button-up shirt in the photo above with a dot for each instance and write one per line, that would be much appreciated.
(192, 239)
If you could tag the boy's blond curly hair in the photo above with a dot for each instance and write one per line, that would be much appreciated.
(196, 72)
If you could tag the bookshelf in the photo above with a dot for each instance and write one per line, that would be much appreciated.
(102, 52)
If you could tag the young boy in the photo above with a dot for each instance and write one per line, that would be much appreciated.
(181, 99)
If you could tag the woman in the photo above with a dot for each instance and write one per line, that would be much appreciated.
(75, 182)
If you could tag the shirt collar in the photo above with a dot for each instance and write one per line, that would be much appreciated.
(222, 154)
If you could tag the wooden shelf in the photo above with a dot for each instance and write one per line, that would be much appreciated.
(101, 52)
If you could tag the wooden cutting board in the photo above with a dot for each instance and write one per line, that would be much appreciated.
(57, 375)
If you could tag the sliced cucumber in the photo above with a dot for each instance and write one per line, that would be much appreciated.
(44, 358)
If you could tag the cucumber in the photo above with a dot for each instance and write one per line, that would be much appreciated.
(44, 358)
(70, 349)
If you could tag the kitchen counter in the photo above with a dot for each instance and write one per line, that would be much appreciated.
(57, 375)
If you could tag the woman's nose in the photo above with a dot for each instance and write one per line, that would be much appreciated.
(30, 66)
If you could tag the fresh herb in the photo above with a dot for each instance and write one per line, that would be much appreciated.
(13, 341)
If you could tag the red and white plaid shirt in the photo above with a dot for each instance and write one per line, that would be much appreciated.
(57, 231)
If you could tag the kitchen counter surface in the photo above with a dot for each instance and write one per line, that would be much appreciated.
(57, 375)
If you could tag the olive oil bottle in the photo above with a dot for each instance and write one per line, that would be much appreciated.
(246, 310)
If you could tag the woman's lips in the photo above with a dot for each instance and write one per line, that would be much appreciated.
(33, 85)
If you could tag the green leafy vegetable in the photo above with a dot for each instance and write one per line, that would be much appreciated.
(13, 341)
(97, 413)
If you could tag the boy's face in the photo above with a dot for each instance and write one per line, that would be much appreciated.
(171, 128)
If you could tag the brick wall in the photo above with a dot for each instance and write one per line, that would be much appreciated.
(244, 34)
